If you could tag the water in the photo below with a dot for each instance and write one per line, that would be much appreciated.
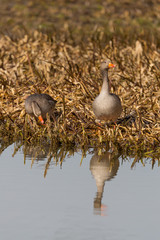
(98, 199)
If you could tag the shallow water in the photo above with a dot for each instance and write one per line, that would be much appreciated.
(98, 199)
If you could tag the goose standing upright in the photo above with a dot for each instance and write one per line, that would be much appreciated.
(107, 106)
(38, 105)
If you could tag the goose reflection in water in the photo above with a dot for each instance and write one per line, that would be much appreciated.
(46, 153)
(38, 152)
(103, 168)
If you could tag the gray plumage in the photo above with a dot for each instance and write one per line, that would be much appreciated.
(39, 105)
(107, 106)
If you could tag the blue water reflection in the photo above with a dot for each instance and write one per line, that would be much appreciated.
(46, 198)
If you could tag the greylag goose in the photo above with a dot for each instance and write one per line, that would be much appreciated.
(38, 105)
(107, 106)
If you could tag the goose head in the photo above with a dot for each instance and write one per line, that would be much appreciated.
(106, 64)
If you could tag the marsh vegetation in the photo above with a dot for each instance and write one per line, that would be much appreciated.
(56, 48)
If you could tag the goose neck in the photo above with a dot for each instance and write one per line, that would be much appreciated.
(105, 85)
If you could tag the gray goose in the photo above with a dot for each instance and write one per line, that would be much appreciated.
(38, 105)
(107, 106)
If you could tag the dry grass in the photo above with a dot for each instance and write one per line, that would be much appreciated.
(70, 74)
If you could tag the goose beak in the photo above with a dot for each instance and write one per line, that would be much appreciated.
(111, 65)
(41, 119)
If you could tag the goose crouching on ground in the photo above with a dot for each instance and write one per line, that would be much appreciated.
(38, 105)
(107, 106)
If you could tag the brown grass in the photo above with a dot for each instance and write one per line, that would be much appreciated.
(70, 74)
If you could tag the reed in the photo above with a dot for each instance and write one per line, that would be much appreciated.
(70, 74)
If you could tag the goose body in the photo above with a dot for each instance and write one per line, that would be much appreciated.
(107, 106)
(38, 105)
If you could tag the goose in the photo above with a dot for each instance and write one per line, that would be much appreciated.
(38, 105)
(107, 106)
